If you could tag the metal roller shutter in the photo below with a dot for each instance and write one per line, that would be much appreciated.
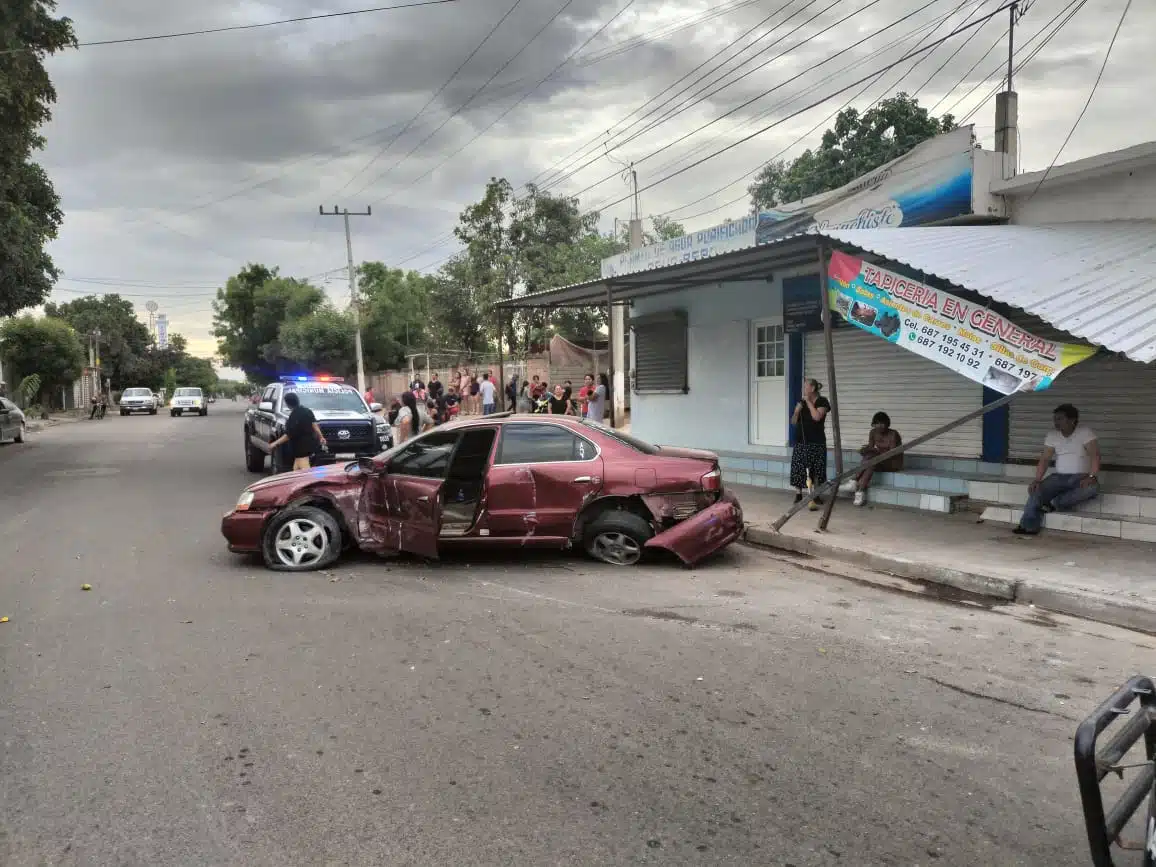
(918, 394)
(660, 353)
(1115, 397)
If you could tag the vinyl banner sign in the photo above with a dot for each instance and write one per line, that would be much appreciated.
(966, 337)
(930, 182)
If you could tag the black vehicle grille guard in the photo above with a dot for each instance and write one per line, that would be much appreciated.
(1135, 700)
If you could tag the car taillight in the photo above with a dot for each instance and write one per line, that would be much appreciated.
(712, 481)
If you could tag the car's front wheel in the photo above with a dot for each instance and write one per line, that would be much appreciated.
(301, 539)
(20, 432)
(617, 537)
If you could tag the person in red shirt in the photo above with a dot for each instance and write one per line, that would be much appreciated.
(584, 393)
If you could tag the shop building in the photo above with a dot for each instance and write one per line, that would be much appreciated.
(718, 354)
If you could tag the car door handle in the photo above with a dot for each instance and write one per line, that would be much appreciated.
(423, 499)
(581, 479)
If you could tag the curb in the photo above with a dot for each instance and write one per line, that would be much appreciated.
(1075, 603)
(971, 582)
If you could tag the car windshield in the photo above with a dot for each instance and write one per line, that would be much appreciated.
(626, 439)
(187, 392)
(137, 392)
(329, 398)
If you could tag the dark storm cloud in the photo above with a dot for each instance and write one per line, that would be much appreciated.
(231, 141)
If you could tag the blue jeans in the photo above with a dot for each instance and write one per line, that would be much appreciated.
(1061, 491)
(487, 409)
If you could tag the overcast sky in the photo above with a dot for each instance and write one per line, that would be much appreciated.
(180, 160)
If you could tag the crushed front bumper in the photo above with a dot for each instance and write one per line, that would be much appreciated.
(703, 534)
(242, 530)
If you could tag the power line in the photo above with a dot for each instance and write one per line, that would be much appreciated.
(522, 99)
(1088, 102)
(930, 26)
(793, 78)
(815, 104)
(384, 148)
(473, 96)
(236, 27)
(599, 143)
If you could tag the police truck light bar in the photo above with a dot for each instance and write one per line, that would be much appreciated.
(313, 379)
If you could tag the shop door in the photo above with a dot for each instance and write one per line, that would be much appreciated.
(768, 413)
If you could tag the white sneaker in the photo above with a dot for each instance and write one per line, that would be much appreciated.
(849, 487)
(860, 498)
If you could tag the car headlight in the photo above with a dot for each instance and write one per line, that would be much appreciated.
(245, 501)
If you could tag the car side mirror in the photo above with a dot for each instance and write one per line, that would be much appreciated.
(375, 407)
(265, 406)
(371, 466)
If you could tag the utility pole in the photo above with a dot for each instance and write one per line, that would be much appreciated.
(353, 299)
(1007, 103)
(618, 318)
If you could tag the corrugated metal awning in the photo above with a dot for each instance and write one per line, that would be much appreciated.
(752, 263)
(1096, 281)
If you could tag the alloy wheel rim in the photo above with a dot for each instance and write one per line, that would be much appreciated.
(301, 542)
(617, 548)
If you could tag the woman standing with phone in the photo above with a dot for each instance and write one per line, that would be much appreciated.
(809, 456)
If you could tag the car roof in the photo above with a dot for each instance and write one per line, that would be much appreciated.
(502, 418)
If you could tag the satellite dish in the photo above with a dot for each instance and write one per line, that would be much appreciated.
(151, 306)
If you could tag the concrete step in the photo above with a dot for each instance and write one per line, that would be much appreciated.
(1127, 502)
(882, 492)
(1104, 524)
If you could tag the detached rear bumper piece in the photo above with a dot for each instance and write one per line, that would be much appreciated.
(709, 531)
(242, 530)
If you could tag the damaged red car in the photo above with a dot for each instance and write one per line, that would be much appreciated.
(500, 481)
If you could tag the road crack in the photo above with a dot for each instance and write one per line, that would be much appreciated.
(1005, 701)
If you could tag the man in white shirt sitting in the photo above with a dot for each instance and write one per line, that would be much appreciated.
(1077, 455)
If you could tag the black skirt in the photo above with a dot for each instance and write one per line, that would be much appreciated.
(808, 457)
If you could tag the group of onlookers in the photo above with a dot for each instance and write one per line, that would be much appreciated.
(536, 396)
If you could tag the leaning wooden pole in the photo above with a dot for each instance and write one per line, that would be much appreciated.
(833, 484)
(829, 345)
(500, 385)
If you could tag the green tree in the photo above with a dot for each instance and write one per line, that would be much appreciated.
(396, 311)
(124, 339)
(196, 373)
(43, 346)
(855, 146)
(30, 212)
(249, 312)
(456, 316)
(321, 341)
(168, 383)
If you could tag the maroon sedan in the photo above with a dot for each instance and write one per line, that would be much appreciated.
(501, 481)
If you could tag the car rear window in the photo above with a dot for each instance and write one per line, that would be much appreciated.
(137, 392)
(188, 392)
(624, 438)
(542, 444)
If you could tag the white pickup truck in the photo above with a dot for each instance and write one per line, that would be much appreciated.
(138, 400)
(188, 400)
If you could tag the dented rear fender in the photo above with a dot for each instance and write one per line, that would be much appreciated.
(704, 534)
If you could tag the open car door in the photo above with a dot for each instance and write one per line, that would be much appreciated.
(401, 508)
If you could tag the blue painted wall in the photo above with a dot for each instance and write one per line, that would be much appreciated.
(715, 413)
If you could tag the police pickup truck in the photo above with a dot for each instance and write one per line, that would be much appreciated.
(352, 428)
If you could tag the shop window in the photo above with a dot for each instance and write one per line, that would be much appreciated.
(660, 353)
(771, 351)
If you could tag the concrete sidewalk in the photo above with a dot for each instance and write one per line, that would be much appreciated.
(1107, 580)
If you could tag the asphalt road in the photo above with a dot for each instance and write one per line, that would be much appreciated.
(195, 709)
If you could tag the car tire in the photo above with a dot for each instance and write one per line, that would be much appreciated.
(153, 411)
(254, 460)
(301, 539)
(123, 413)
(20, 433)
(204, 412)
(617, 537)
(172, 413)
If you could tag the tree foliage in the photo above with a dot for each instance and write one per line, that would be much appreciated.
(249, 312)
(124, 339)
(321, 342)
(30, 212)
(855, 146)
(396, 314)
(43, 346)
